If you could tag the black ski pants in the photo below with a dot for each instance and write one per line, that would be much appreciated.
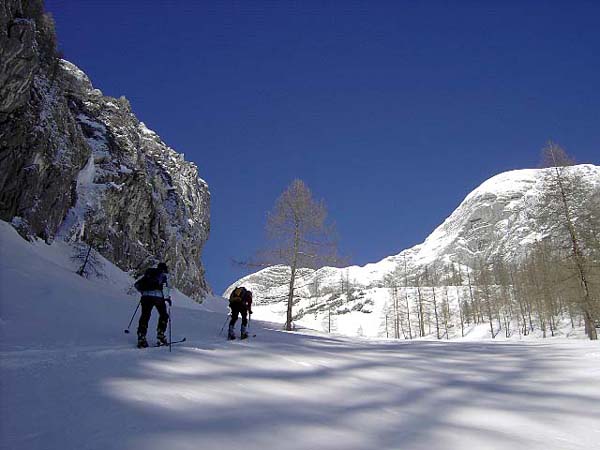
(163, 317)
(237, 309)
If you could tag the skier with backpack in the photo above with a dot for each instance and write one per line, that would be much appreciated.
(240, 302)
(154, 287)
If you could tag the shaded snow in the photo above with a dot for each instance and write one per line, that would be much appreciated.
(71, 378)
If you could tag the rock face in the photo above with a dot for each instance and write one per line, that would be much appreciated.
(42, 148)
(78, 165)
(494, 221)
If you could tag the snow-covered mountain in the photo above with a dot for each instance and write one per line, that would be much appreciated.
(79, 165)
(494, 220)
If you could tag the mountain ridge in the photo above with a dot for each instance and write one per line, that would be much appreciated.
(496, 219)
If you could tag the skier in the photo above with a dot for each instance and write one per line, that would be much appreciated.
(240, 302)
(154, 287)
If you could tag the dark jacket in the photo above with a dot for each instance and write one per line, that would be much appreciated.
(163, 281)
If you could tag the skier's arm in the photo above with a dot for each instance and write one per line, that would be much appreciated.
(167, 290)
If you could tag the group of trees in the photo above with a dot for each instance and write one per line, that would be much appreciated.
(556, 279)
(422, 304)
(538, 292)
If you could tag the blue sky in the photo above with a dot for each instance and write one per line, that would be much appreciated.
(392, 112)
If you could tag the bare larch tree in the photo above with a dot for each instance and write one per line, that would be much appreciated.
(563, 195)
(300, 236)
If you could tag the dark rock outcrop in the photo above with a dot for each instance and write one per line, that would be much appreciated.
(78, 165)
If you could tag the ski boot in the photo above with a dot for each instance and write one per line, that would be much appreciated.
(244, 333)
(231, 334)
(161, 338)
(142, 342)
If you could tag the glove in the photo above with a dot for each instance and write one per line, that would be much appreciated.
(250, 312)
(168, 300)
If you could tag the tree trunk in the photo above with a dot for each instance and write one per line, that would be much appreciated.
(578, 256)
(81, 270)
(396, 313)
(293, 267)
(288, 323)
(420, 312)
(406, 298)
(435, 311)
(473, 309)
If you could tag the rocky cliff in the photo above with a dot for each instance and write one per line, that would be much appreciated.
(78, 165)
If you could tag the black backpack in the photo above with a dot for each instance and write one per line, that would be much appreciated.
(239, 295)
(150, 281)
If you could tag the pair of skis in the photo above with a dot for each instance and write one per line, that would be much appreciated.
(166, 344)
(241, 338)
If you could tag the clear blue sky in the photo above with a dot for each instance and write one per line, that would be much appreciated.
(390, 111)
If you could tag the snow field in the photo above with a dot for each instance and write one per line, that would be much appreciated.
(71, 379)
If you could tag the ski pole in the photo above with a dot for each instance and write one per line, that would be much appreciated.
(134, 313)
(223, 327)
(170, 326)
(248, 329)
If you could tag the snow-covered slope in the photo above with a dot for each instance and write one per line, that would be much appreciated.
(46, 305)
(71, 379)
(495, 219)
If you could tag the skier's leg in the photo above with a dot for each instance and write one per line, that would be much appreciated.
(244, 333)
(234, 316)
(147, 305)
(163, 320)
